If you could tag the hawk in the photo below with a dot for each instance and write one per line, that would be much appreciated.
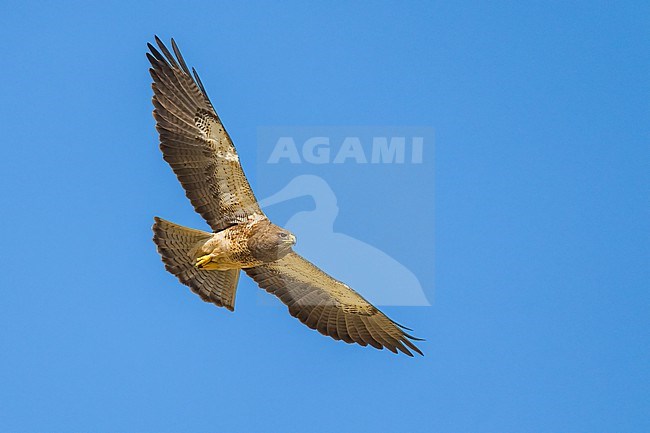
(200, 152)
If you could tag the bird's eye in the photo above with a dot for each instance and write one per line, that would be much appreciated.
(283, 235)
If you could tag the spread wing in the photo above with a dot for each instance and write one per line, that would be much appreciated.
(195, 143)
(329, 306)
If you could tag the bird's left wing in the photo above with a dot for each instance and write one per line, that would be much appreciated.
(195, 143)
(329, 306)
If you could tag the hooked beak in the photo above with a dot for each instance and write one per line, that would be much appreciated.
(291, 240)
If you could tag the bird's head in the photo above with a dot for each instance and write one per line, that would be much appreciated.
(270, 242)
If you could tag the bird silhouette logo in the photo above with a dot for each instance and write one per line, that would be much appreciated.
(346, 258)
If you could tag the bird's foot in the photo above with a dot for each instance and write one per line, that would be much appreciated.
(202, 261)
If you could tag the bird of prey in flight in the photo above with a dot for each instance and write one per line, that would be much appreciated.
(200, 152)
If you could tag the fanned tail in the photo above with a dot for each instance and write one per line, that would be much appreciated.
(175, 244)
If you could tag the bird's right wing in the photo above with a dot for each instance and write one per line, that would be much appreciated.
(195, 143)
(329, 306)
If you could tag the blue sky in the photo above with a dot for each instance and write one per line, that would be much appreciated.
(539, 321)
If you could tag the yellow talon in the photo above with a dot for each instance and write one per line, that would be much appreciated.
(202, 261)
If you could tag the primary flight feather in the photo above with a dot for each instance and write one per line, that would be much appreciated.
(198, 148)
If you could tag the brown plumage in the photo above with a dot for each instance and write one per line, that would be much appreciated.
(196, 145)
